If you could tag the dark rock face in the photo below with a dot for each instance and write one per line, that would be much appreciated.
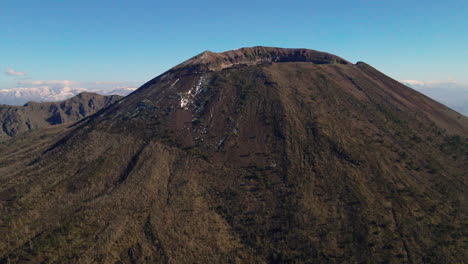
(249, 156)
(19, 119)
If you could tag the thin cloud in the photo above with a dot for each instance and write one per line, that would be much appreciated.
(48, 82)
(413, 82)
(92, 86)
(449, 84)
(11, 72)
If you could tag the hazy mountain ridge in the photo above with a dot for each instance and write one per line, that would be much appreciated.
(20, 96)
(452, 94)
(16, 120)
(269, 158)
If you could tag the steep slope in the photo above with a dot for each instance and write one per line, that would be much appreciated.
(19, 119)
(258, 155)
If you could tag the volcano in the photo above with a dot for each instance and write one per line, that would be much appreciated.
(256, 155)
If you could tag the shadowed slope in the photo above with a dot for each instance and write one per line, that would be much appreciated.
(281, 161)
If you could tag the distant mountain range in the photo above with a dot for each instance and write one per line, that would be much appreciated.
(15, 120)
(20, 96)
(452, 94)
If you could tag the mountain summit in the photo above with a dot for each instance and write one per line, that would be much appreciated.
(257, 155)
(259, 55)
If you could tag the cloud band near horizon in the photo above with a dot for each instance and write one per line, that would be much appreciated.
(11, 72)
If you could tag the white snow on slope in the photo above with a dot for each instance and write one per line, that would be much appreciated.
(188, 97)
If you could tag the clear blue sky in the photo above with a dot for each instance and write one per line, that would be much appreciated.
(113, 40)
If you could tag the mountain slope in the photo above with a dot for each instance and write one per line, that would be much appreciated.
(19, 119)
(258, 155)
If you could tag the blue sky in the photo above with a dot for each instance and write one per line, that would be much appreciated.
(133, 41)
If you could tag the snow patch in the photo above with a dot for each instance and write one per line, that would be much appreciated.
(184, 101)
(188, 97)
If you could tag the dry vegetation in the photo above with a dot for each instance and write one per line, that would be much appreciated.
(276, 161)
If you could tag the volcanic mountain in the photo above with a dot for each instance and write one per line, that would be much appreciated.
(19, 119)
(257, 155)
